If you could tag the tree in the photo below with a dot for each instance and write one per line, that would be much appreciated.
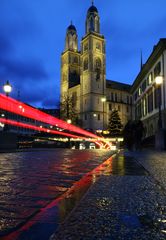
(68, 109)
(115, 125)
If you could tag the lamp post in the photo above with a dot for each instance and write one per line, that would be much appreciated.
(69, 121)
(7, 89)
(159, 81)
(103, 99)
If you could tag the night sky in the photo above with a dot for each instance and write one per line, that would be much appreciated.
(32, 37)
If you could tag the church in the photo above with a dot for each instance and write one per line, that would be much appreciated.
(87, 97)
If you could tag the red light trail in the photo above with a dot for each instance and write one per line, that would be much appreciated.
(24, 125)
(17, 107)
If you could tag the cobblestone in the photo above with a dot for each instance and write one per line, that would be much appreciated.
(31, 180)
(122, 206)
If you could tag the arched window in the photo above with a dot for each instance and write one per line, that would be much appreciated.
(98, 63)
(75, 60)
(85, 64)
(98, 46)
(92, 24)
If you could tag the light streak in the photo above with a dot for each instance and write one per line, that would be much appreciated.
(14, 106)
(24, 125)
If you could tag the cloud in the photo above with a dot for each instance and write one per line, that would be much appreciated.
(22, 70)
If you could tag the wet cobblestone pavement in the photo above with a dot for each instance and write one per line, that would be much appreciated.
(129, 204)
(29, 181)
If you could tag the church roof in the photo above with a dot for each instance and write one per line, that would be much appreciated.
(71, 27)
(118, 85)
(92, 9)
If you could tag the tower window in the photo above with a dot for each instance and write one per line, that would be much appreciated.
(98, 63)
(75, 60)
(98, 117)
(86, 47)
(92, 24)
(98, 46)
(85, 117)
(86, 64)
(119, 108)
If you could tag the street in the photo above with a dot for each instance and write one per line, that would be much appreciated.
(29, 181)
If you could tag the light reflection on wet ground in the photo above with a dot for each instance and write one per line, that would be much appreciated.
(29, 181)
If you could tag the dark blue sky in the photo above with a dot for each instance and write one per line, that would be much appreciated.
(32, 37)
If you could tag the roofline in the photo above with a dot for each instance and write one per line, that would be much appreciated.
(157, 51)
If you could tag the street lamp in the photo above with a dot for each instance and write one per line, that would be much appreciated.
(159, 81)
(103, 99)
(69, 121)
(7, 88)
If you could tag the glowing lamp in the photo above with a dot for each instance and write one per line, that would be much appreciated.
(103, 99)
(7, 88)
(159, 80)
(69, 121)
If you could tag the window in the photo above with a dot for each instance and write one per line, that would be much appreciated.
(98, 63)
(157, 96)
(86, 64)
(143, 85)
(150, 102)
(127, 99)
(86, 47)
(127, 109)
(144, 107)
(75, 60)
(116, 97)
(112, 96)
(85, 117)
(150, 78)
(98, 46)
(139, 91)
(135, 95)
(98, 117)
(157, 69)
(119, 108)
(110, 107)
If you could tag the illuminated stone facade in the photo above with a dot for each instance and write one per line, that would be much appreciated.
(83, 78)
(146, 94)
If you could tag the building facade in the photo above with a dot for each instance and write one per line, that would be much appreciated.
(148, 95)
(83, 79)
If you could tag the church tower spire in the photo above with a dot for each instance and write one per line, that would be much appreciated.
(71, 38)
(92, 20)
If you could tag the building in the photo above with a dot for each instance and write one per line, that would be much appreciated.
(148, 96)
(84, 87)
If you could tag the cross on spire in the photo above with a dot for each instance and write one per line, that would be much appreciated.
(92, 2)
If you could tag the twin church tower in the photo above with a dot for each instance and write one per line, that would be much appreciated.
(83, 74)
